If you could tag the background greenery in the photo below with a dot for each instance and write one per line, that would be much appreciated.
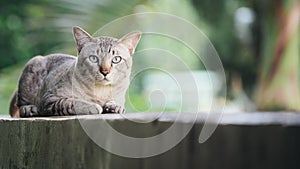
(40, 27)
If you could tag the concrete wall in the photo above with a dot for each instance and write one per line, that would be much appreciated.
(241, 141)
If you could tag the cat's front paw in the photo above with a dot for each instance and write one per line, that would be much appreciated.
(112, 107)
(83, 108)
(28, 111)
(96, 109)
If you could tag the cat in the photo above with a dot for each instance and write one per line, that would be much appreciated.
(94, 82)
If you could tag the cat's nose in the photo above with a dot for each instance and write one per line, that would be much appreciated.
(104, 71)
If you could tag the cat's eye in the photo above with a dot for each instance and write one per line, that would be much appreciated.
(93, 58)
(116, 59)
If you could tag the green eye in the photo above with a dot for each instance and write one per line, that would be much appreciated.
(116, 59)
(93, 58)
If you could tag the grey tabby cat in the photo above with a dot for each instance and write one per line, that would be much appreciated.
(95, 82)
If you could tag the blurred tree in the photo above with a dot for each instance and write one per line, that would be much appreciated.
(278, 86)
(238, 58)
(275, 44)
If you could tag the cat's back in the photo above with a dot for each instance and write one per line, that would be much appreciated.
(56, 61)
(39, 67)
(48, 62)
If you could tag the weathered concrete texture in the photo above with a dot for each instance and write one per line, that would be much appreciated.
(241, 141)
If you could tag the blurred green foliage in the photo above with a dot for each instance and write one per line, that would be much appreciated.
(24, 31)
(12, 32)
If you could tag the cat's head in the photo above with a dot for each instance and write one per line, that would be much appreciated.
(106, 59)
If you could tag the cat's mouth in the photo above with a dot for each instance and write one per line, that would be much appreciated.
(103, 80)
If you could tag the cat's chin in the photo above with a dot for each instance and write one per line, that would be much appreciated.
(103, 82)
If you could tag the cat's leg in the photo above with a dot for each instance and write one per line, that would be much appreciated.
(28, 111)
(63, 107)
(112, 107)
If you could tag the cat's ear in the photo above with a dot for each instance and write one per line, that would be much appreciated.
(81, 37)
(131, 40)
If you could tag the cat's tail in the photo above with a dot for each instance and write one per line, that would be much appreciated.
(13, 108)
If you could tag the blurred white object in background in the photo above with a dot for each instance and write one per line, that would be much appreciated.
(183, 91)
